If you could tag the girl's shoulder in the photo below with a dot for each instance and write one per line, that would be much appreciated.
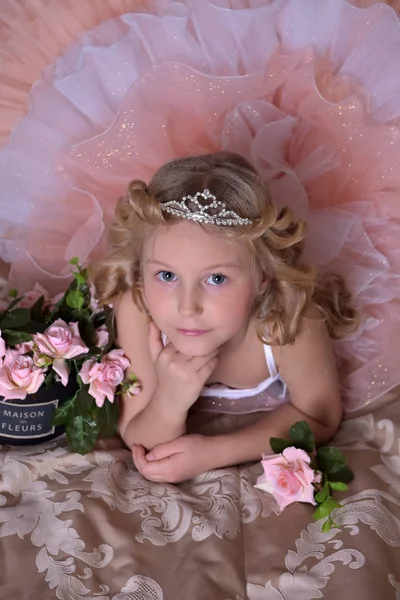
(312, 348)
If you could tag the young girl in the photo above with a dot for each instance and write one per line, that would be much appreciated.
(215, 308)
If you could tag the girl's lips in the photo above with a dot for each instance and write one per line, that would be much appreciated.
(193, 332)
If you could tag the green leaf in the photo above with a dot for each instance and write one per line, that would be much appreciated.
(13, 293)
(108, 416)
(330, 459)
(16, 319)
(14, 303)
(278, 445)
(322, 511)
(325, 509)
(37, 310)
(82, 433)
(332, 504)
(12, 338)
(94, 351)
(75, 299)
(63, 413)
(49, 380)
(302, 436)
(35, 327)
(80, 279)
(322, 494)
(85, 403)
(74, 260)
(327, 526)
(88, 331)
(343, 475)
(339, 486)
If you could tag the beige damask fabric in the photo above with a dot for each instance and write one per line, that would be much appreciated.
(80, 528)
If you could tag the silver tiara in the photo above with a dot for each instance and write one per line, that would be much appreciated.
(214, 213)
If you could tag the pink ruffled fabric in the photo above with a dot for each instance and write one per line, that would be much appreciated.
(297, 86)
(33, 33)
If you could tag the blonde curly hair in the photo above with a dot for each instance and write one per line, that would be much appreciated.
(274, 236)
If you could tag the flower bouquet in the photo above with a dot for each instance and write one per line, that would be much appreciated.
(301, 473)
(59, 368)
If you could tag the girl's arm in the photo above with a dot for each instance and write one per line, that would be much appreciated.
(146, 419)
(308, 368)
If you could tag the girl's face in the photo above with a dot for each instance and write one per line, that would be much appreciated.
(199, 288)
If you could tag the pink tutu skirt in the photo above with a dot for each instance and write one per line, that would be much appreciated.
(307, 90)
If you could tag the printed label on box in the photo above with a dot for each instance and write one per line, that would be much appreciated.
(26, 421)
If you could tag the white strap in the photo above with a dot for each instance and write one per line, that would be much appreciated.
(269, 357)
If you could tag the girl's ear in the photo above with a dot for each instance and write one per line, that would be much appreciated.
(264, 287)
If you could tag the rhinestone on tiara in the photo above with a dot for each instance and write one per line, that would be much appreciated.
(218, 215)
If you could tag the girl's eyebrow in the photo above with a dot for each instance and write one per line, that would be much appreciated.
(228, 265)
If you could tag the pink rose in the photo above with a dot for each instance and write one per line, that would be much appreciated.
(41, 360)
(19, 376)
(102, 336)
(24, 348)
(93, 304)
(2, 347)
(104, 376)
(60, 341)
(288, 477)
(33, 296)
(134, 389)
(55, 300)
(317, 477)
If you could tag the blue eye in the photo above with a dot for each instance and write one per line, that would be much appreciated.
(166, 276)
(217, 279)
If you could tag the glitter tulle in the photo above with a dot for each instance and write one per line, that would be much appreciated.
(296, 86)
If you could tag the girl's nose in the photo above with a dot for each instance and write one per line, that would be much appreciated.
(189, 303)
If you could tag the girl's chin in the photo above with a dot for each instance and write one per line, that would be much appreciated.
(192, 349)
(193, 346)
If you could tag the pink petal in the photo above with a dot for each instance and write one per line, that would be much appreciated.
(10, 392)
(102, 337)
(305, 474)
(2, 347)
(308, 495)
(85, 370)
(264, 484)
(61, 368)
(36, 381)
(293, 454)
(275, 459)
(282, 501)
(97, 395)
(44, 345)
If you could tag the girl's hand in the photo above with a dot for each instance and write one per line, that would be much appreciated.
(180, 378)
(179, 460)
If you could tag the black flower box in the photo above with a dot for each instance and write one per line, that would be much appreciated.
(28, 421)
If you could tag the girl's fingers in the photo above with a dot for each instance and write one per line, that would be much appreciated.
(201, 361)
(139, 456)
(164, 450)
(207, 369)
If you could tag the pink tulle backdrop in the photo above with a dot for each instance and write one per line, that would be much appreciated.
(34, 32)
